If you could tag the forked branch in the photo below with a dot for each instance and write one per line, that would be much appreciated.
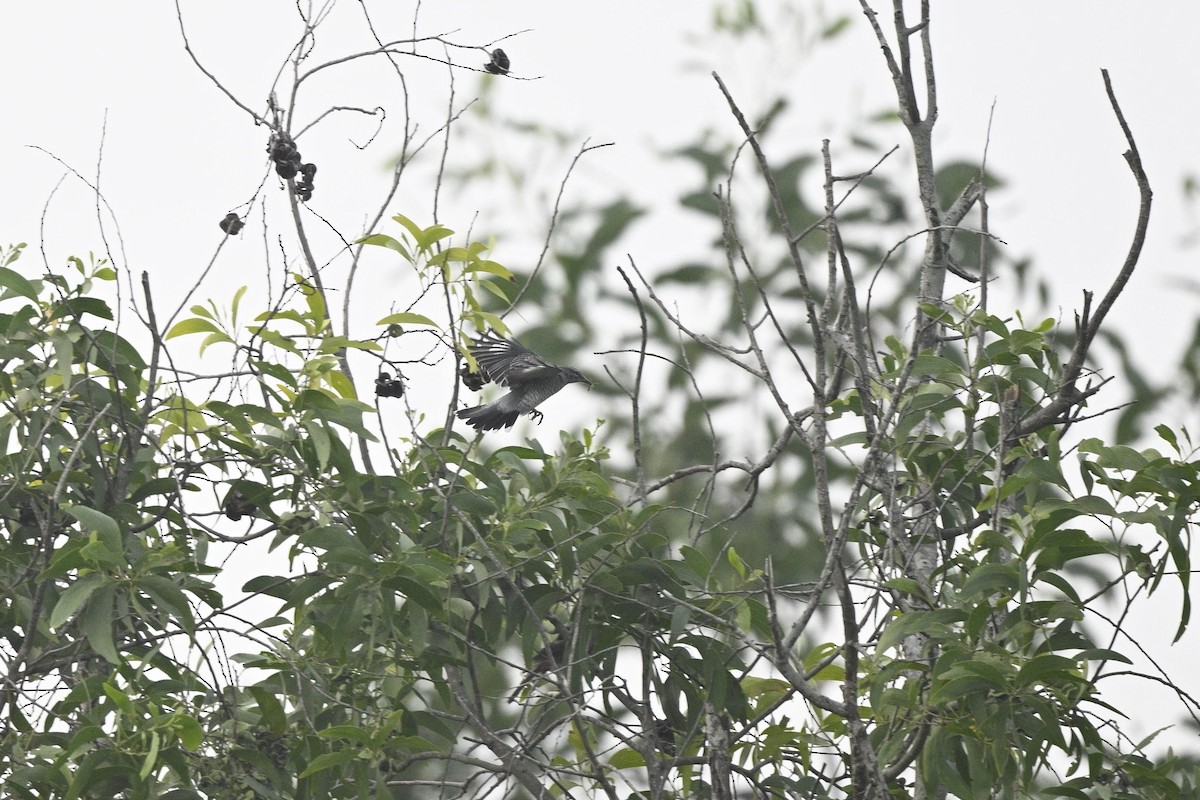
(1088, 323)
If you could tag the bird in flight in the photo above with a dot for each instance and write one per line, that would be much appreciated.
(530, 379)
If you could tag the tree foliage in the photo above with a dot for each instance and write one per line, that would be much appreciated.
(915, 586)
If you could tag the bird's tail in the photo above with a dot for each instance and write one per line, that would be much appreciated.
(487, 418)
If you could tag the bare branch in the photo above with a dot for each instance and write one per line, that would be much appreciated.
(1089, 325)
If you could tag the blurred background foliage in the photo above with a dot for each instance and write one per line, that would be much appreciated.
(695, 409)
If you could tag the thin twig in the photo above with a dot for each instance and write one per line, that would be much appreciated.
(635, 392)
(562, 187)
(1088, 325)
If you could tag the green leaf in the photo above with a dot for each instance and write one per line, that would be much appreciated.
(1103, 654)
(383, 240)
(78, 306)
(927, 622)
(905, 585)
(697, 562)
(319, 437)
(151, 756)
(98, 624)
(417, 592)
(331, 537)
(929, 364)
(270, 709)
(736, 562)
(626, 758)
(1178, 547)
(351, 732)
(342, 385)
(410, 226)
(753, 686)
(990, 579)
(167, 595)
(15, 283)
(115, 353)
(491, 267)
(187, 728)
(963, 686)
(494, 289)
(1047, 668)
(1043, 470)
(1115, 457)
(335, 344)
(101, 523)
(329, 760)
(74, 597)
(453, 254)
(314, 299)
(681, 615)
(213, 338)
(192, 325)
(432, 235)
(408, 318)
(525, 453)
(236, 304)
(854, 437)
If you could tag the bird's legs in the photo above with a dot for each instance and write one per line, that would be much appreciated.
(536, 415)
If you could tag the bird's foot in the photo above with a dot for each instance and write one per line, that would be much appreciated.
(536, 415)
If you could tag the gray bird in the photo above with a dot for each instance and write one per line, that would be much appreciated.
(530, 378)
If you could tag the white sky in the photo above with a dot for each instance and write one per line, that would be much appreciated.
(178, 155)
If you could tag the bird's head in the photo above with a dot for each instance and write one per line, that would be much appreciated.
(572, 375)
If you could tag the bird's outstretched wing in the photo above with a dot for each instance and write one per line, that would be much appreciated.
(508, 362)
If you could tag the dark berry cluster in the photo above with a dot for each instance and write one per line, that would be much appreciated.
(387, 386)
(288, 164)
(499, 64)
(237, 505)
(473, 380)
(232, 224)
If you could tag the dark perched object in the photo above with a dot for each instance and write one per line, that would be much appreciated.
(473, 380)
(499, 63)
(288, 164)
(26, 513)
(284, 155)
(548, 658)
(664, 732)
(530, 378)
(387, 386)
(232, 224)
(237, 505)
(304, 188)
